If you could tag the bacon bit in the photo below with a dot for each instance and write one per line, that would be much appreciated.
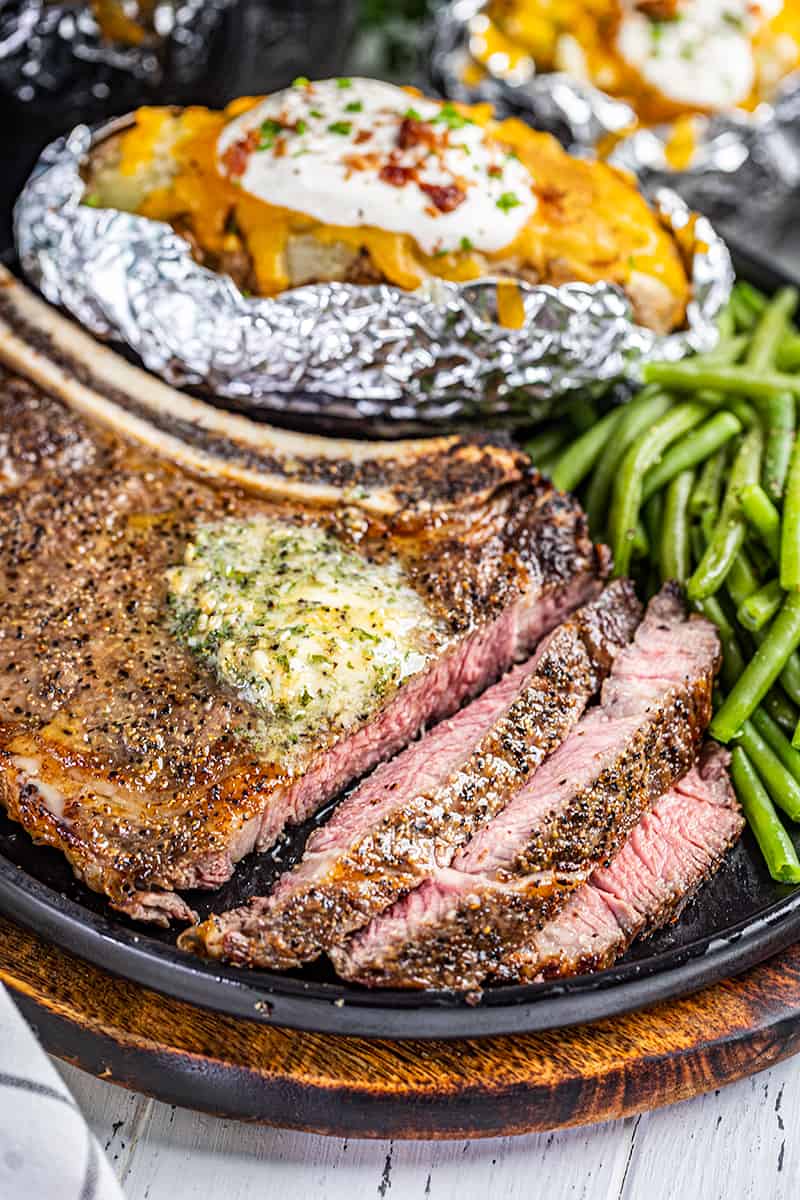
(280, 148)
(236, 156)
(396, 175)
(362, 136)
(415, 133)
(360, 162)
(495, 172)
(445, 198)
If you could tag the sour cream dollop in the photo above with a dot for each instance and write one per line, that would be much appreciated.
(703, 55)
(356, 152)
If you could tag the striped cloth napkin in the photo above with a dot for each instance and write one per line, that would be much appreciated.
(47, 1151)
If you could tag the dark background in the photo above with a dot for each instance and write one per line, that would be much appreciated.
(56, 70)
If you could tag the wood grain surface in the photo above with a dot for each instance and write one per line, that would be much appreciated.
(354, 1087)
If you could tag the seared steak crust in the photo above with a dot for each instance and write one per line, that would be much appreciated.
(573, 815)
(671, 853)
(119, 747)
(416, 811)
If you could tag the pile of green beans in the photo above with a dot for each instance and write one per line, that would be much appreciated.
(697, 478)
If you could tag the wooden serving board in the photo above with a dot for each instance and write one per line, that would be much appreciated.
(413, 1089)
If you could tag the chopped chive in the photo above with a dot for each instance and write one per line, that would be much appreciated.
(451, 117)
(344, 83)
(412, 114)
(301, 81)
(508, 200)
(353, 106)
(466, 244)
(269, 131)
(341, 127)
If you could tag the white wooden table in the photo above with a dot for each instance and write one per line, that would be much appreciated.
(738, 1143)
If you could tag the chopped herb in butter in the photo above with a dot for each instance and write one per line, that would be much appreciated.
(309, 631)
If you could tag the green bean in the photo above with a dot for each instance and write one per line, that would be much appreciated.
(790, 530)
(697, 542)
(773, 840)
(745, 413)
(789, 352)
(687, 376)
(732, 657)
(758, 609)
(778, 418)
(728, 534)
(769, 659)
(652, 516)
(775, 738)
(583, 413)
(638, 416)
(675, 551)
(796, 737)
(545, 443)
(763, 516)
(692, 449)
(790, 677)
(755, 299)
(743, 315)
(781, 710)
(644, 452)
(640, 542)
(771, 328)
(780, 783)
(727, 350)
(726, 325)
(741, 580)
(760, 557)
(709, 486)
(577, 460)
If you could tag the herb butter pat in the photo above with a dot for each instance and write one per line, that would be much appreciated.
(307, 630)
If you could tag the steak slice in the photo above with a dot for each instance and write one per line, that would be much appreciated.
(417, 810)
(518, 871)
(124, 748)
(674, 849)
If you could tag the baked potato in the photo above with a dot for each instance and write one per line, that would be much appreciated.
(665, 58)
(360, 181)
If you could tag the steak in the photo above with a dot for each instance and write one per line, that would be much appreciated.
(415, 811)
(122, 746)
(674, 849)
(517, 872)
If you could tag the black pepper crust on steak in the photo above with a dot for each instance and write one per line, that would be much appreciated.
(121, 749)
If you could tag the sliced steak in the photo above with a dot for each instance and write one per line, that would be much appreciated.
(125, 748)
(417, 810)
(674, 849)
(573, 815)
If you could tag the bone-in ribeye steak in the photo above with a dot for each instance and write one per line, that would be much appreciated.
(414, 812)
(457, 928)
(122, 748)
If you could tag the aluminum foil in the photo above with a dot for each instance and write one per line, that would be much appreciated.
(340, 350)
(740, 157)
